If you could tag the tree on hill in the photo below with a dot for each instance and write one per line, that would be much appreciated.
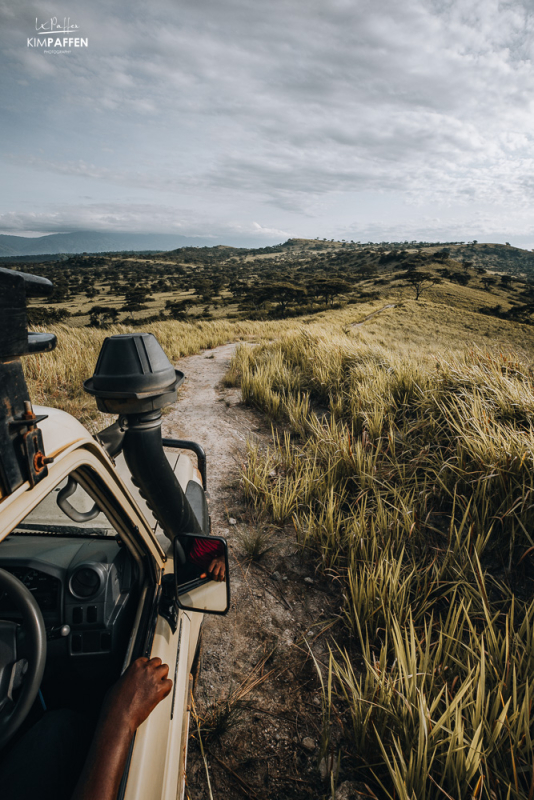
(281, 293)
(506, 281)
(102, 316)
(330, 288)
(135, 299)
(488, 281)
(217, 284)
(420, 281)
(285, 293)
(37, 315)
(177, 309)
(204, 289)
(412, 264)
(238, 288)
(462, 278)
(365, 271)
(60, 292)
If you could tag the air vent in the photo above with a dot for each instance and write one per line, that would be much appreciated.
(85, 582)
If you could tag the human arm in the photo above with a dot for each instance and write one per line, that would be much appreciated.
(130, 701)
(209, 555)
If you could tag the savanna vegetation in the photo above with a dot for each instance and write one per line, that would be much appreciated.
(407, 473)
(289, 280)
(400, 384)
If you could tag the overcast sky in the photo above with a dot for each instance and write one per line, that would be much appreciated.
(240, 119)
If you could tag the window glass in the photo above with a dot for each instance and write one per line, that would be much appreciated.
(68, 510)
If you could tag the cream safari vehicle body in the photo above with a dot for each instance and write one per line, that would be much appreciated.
(98, 536)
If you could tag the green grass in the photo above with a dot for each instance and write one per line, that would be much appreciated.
(404, 458)
(408, 474)
(254, 542)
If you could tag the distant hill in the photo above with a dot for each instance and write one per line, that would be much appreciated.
(96, 242)
(498, 257)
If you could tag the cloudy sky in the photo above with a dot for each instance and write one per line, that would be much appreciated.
(252, 121)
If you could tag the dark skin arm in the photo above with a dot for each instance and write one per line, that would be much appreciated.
(130, 701)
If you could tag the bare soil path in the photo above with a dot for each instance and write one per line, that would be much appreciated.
(370, 316)
(257, 694)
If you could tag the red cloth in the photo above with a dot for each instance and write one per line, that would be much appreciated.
(204, 551)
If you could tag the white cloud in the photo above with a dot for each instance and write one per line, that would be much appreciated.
(130, 218)
(267, 110)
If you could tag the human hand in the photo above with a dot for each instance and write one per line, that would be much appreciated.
(138, 691)
(217, 568)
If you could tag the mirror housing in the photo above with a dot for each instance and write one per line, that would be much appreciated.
(196, 588)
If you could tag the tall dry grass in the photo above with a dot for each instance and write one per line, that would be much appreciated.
(56, 378)
(411, 481)
(406, 465)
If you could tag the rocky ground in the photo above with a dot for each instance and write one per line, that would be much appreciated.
(258, 699)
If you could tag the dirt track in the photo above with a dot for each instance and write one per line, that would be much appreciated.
(208, 413)
(267, 746)
(370, 316)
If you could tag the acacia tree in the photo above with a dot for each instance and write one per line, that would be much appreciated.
(136, 298)
(284, 293)
(420, 281)
(462, 278)
(506, 281)
(177, 309)
(329, 288)
(488, 282)
(102, 316)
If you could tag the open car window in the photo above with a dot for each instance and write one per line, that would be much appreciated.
(68, 510)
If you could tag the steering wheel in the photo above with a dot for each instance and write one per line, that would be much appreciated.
(22, 657)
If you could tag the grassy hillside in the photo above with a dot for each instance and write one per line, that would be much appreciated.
(292, 279)
(404, 460)
(498, 257)
(57, 378)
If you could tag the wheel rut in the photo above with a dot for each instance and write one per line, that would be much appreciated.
(256, 696)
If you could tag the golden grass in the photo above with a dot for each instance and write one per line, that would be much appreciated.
(56, 378)
(407, 468)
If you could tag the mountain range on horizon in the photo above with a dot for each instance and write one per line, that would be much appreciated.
(105, 242)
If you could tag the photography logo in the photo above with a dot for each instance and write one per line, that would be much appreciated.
(56, 36)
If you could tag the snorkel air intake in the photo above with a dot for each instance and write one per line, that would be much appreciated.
(134, 379)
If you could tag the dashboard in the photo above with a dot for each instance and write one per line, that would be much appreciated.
(45, 588)
(83, 586)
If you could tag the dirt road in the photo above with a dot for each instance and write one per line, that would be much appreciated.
(257, 692)
(208, 413)
(370, 316)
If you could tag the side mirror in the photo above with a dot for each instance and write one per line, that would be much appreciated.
(201, 573)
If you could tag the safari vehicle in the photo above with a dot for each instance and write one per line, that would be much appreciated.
(98, 536)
